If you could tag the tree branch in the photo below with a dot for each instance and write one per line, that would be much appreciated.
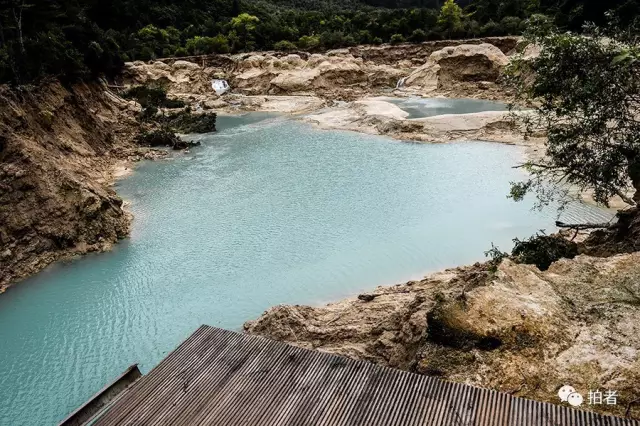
(583, 226)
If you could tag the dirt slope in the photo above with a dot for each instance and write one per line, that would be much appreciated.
(57, 149)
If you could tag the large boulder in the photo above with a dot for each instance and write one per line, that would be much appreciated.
(294, 81)
(459, 64)
(292, 74)
(179, 77)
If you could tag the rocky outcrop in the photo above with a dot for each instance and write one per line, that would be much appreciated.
(517, 329)
(335, 74)
(345, 74)
(378, 116)
(325, 74)
(459, 65)
(418, 54)
(179, 77)
(57, 149)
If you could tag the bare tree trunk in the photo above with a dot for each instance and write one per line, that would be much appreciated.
(18, 19)
(11, 59)
(633, 169)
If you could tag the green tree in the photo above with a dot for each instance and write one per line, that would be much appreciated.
(309, 42)
(332, 39)
(244, 26)
(418, 36)
(397, 39)
(450, 18)
(206, 45)
(585, 94)
(180, 51)
(511, 25)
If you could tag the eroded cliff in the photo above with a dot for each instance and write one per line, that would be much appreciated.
(58, 145)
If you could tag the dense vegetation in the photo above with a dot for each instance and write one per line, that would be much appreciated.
(586, 94)
(585, 91)
(71, 38)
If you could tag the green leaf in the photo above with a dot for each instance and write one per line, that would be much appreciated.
(624, 56)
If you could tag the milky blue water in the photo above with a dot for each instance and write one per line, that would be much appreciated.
(265, 212)
(429, 107)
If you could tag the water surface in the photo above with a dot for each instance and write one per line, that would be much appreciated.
(265, 212)
(429, 107)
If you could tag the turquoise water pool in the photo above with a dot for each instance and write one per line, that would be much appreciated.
(266, 211)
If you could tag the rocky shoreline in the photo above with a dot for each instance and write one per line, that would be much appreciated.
(61, 146)
(517, 330)
(61, 150)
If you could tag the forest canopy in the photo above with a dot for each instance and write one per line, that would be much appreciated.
(82, 38)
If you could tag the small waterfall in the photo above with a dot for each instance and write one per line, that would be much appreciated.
(400, 83)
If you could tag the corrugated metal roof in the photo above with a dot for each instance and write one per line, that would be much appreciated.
(218, 377)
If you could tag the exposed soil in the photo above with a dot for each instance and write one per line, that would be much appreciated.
(58, 149)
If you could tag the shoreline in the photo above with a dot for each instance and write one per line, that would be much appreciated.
(369, 115)
(343, 90)
(441, 325)
(516, 328)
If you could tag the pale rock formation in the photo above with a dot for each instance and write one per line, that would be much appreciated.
(517, 330)
(346, 74)
(180, 77)
(459, 64)
(379, 116)
(291, 74)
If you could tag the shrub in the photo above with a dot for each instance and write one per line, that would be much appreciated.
(187, 122)
(180, 51)
(309, 42)
(207, 45)
(511, 25)
(364, 37)
(147, 96)
(152, 97)
(159, 137)
(490, 29)
(418, 36)
(163, 137)
(397, 39)
(149, 113)
(496, 256)
(542, 250)
(284, 46)
(147, 54)
(332, 39)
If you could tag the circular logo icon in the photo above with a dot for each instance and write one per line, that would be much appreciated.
(575, 399)
(564, 392)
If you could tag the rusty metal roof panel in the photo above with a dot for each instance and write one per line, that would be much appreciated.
(222, 378)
